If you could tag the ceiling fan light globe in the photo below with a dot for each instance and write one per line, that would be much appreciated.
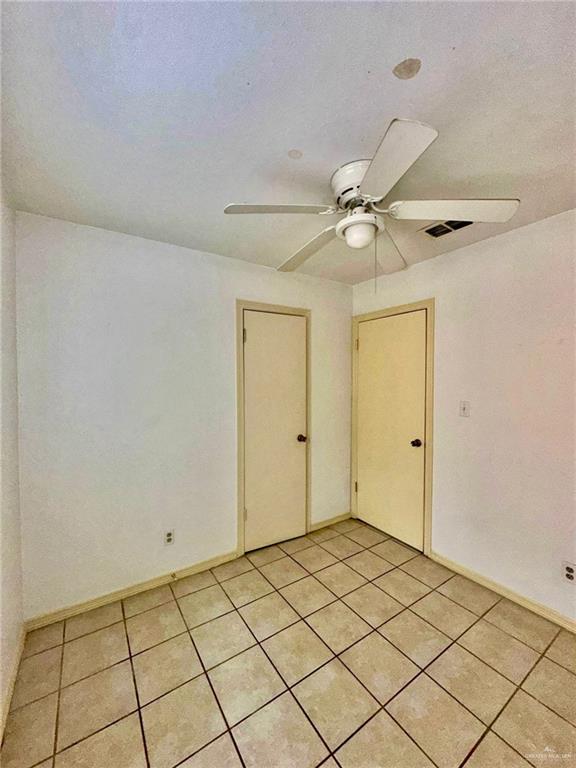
(359, 235)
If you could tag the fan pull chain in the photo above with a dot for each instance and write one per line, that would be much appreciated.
(375, 265)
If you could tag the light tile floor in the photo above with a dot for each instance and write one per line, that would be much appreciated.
(341, 648)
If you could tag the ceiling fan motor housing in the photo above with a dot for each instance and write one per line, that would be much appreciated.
(345, 182)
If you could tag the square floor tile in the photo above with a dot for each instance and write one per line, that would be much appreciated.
(232, 568)
(279, 734)
(437, 723)
(181, 722)
(381, 744)
(283, 572)
(382, 668)
(394, 552)
(340, 579)
(341, 547)
(499, 650)
(297, 651)
(469, 595)
(260, 557)
(367, 537)
(522, 624)
(374, 605)
(119, 744)
(402, 587)
(152, 627)
(268, 615)
(165, 667)
(143, 601)
(492, 752)
(426, 570)
(368, 564)
(536, 732)
(563, 650)
(443, 614)
(476, 685)
(554, 686)
(245, 683)
(247, 587)
(335, 701)
(295, 545)
(222, 638)
(314, 558)
(193, 583)
(93, 620)
(307, 595)
(219, 754)
(323, 535)
(43, 639)
(29, 733)
(95, 702)
(415, 637)
(338, 626)
(93, 652)
(205, 605)
(37, 676)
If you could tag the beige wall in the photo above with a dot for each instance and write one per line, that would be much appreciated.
(128, 404)
(503, 479)
(10, 555)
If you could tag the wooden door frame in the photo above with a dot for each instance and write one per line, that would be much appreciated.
(429, 306)
(276, 309)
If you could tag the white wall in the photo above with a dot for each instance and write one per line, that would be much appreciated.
(504, 479)
(127, 366)
(10, 552)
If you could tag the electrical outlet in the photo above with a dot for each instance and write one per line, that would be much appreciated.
(569, 571)
(169, 537)
(464, 408)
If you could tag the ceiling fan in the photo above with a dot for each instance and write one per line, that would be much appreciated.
(360, 185)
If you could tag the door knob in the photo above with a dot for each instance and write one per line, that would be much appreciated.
(416, 443)
(302, 438)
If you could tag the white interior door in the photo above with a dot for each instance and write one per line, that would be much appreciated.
(391, 420)
(275, 459)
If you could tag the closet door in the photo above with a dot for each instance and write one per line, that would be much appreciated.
(390, 424)
(275, 429)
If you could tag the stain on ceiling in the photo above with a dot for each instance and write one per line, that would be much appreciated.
(148, 118)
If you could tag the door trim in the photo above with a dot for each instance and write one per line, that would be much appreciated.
(255, 306)
(428, 305)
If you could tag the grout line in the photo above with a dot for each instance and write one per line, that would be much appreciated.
(57, 721)
(134, 683)
(501, 710)
(209, 681)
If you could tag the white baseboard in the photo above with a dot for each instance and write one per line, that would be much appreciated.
(10, 690)
(542, 610)
(120, 594)
(330, 521)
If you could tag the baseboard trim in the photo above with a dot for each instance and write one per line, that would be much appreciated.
(330, 521)
(120, 594)
(12, 683)
(542, 610)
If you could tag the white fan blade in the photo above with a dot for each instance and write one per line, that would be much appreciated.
(311, 247)
(402, 145)
(454, 210)
(240, 208)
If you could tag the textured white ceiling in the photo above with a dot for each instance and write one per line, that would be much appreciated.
(147, 118)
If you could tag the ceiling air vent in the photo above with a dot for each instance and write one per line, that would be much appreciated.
(438, 230)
